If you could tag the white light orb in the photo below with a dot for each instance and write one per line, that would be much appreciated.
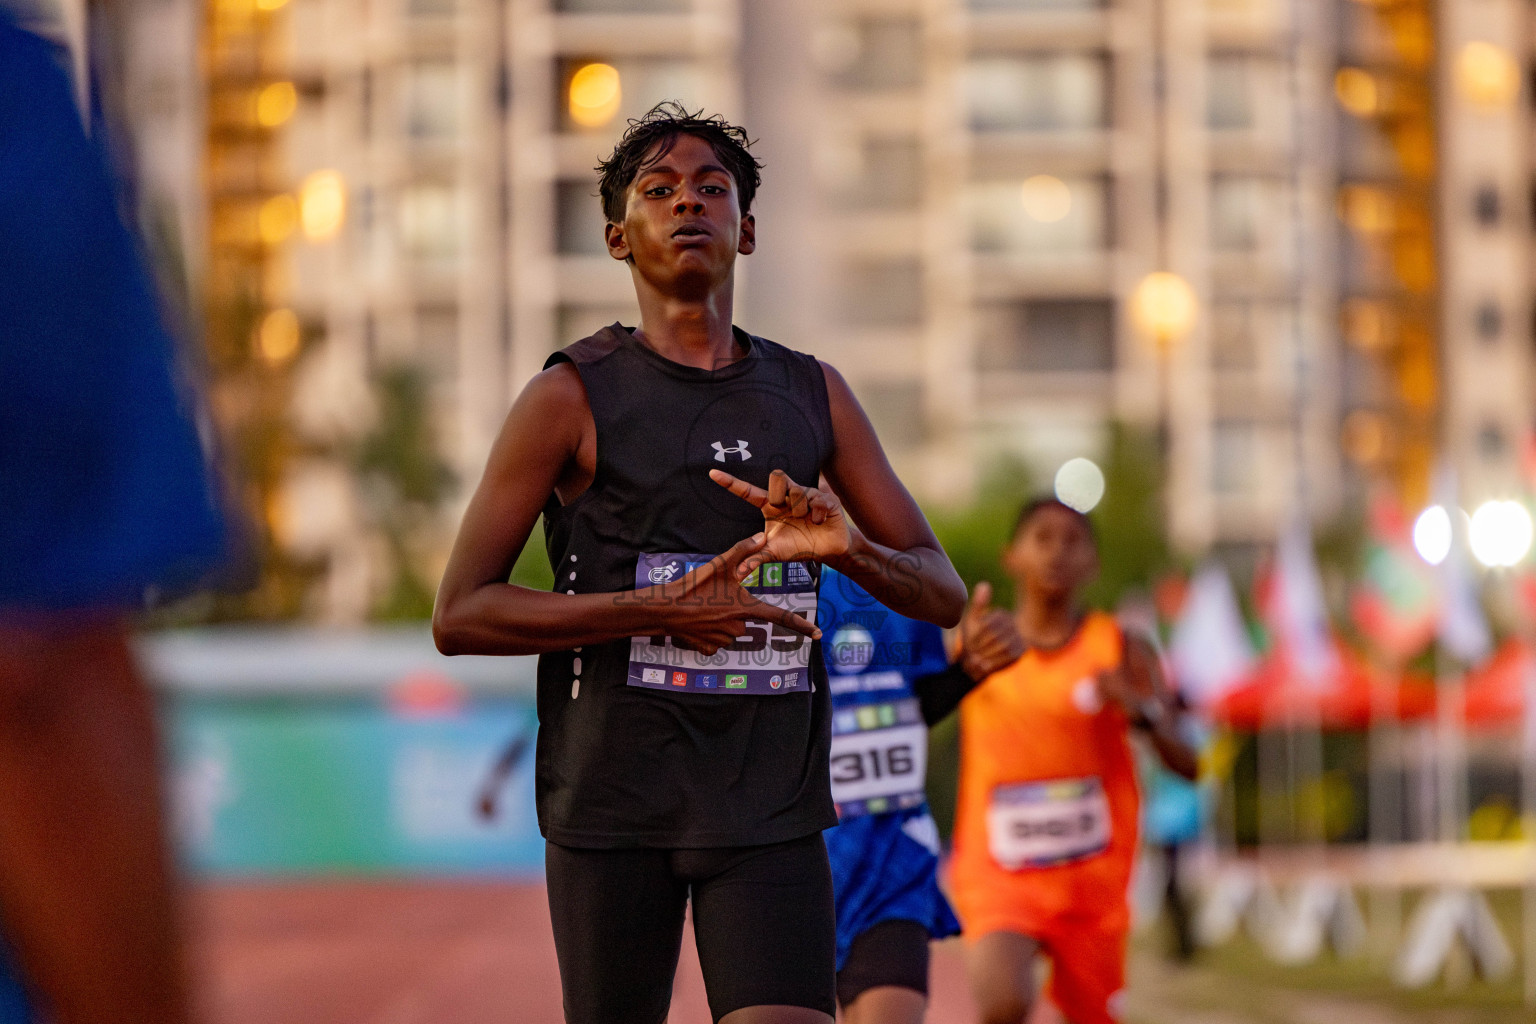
(1080, 484)
(1500, 533)
(1432, 534)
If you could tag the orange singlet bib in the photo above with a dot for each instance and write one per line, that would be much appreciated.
(1045, 827)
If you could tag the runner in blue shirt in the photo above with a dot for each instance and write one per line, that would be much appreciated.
(890, 679)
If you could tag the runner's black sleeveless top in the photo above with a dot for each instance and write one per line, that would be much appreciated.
(622, 766)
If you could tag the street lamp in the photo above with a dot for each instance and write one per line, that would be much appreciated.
(1165, 309)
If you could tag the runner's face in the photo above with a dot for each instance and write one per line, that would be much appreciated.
(1052, 555)
(683, 223)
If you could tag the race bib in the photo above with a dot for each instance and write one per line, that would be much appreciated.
(1040, 824)
(767, 659)
(879, 758)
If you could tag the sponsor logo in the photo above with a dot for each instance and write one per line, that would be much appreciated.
(853, 648)
(1085, 696)
(679, 678)
(705, 680)
(791, 680)
(751, 580)
(887, 715)
(652, 675)
(721, 451)
(773, 574)
(735, 682)
(797, 574)
(775, 681)
(665, 573)
(869, 717)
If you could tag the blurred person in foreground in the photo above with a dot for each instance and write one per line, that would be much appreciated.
(684, 722)
(104, 494)
(1046, 821)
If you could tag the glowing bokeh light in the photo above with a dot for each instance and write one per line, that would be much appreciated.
(1500, 533)
(1046, 199)
(277, 340)
(277, 218)
(1357, 91)
(1164, 307)
(594, 95)
(1080, 484)
(1432, 534)
(1487, 75)
(275, 104)
(322, 205)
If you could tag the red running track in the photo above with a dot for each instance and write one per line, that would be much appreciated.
(393, 952)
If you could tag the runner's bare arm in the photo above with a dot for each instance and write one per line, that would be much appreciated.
(1138, 686)
(894, 554)
(547, 446)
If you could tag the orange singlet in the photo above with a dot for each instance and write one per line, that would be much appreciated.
(1045, 828)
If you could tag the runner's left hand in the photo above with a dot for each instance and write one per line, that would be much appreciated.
(800, 522)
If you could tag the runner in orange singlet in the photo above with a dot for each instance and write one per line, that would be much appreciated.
(1045, 831)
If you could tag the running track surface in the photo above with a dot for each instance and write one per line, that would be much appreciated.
(390, 952)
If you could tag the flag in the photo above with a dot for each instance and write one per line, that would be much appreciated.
(1209, 651)
(1463, 632)
(1294, 609)
(1395, 604)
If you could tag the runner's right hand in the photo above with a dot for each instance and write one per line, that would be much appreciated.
(708, 608)
(989, 640)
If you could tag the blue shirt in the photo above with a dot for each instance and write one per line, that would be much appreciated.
(885, 862)
(104, 489)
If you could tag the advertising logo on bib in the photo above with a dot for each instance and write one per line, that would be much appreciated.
(705, 681)
(653, 675)
(775, 681)
(679, 678)
(773, 574)
(664, 573)
(735, 682)
(791, 680)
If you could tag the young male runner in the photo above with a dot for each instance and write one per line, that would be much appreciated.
(684, 719)
(890, 679)
(1045, 829)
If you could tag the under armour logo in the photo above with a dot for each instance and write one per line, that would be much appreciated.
(721, 451)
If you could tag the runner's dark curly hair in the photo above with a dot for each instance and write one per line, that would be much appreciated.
(659, 128)
(1036, 505)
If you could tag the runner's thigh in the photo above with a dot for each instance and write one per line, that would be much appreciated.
(618, 923)
(765, 926)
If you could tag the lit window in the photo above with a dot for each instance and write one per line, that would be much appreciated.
(881, 294)
(882, 174)
(1239, 206)
(622, 6)
(1229, 100)
(1047, 336)
(882, 53)
(1043, 214)
(1046, 92)
(579, 220)
(432, 220)
(434, 100)
(640, 84)
(1035, 5)
(1234, 457)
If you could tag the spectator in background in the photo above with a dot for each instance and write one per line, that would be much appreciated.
(104, 495)
(1173, 818)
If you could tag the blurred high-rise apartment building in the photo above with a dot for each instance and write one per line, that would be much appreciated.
(962, 205)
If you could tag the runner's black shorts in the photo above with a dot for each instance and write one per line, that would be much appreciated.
(762, 919)
(893, 952)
